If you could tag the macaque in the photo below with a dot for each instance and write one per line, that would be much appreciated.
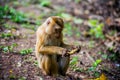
(51, 52)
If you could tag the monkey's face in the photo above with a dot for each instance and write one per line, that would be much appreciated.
(54, 26)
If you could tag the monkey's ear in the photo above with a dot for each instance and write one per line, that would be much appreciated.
(48, 22)
(60, 22)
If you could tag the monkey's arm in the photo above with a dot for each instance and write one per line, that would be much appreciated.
(51, 50)
(73, 49)
(67, 46)
(55, 49)
(42, 48)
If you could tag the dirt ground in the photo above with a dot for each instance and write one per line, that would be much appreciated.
(14, 66)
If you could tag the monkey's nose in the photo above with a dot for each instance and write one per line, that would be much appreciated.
(58, 30)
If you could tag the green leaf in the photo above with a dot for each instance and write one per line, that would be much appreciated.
(10, 13)
(6, 49)
(14, 44)
(78, 21)
(98, 61)
(96, 74)
(68, 29)
(77, 1)
(66, 15)
(91, 68)
(74, 60)
(96, 28)
(6, 35)
(26, 51)
(45, 3)
(22, 78)
(93, 22)
(104, 56)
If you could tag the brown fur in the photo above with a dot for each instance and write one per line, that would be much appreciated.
(50, 46)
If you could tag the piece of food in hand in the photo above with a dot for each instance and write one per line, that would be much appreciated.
(66, 53)
(75, 50)
(69, 52)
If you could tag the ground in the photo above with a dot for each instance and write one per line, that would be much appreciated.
(96, 56)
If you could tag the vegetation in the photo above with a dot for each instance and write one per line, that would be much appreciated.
(6, 35)
(45, 3)
(7, 49)
(10, 13)
(73, 63)
(26, 51)
(95, 28)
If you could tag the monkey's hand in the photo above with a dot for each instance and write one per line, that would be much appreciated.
(65, 53)
(75, 49)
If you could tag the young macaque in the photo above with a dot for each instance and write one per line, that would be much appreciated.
(51, 52)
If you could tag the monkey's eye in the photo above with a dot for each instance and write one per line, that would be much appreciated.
(48, 22)
(58, 30)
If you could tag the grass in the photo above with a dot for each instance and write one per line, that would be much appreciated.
(96, 28)
(45, 3)
(73, 63)
(93, 69)
(8, 12)
(68, 29)
(29, 26)
(6, 35)
(10, 48)
(26, 51)
(9, 26)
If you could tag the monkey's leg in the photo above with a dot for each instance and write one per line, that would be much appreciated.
(63, 63)
(54, 66)
(39, 59)
(46, 64)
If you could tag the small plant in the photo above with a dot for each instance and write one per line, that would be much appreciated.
(78, 20)
(12, 77)
(73, 63)
(93, 70)
(113, 53)
(103, 55)
(28, 26)
(22, 78)
(96, 74)
(6, 35)
(45, 3)
(66, 16)
(11, 13)
(77, 1)
(9, 26)
(91, 44)
(8, 48)
(95, 64)
(36, 63)
(96, 28)
(26, 51)
(29, 59)
(68, 29)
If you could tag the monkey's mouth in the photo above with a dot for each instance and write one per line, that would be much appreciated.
(57, 35)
